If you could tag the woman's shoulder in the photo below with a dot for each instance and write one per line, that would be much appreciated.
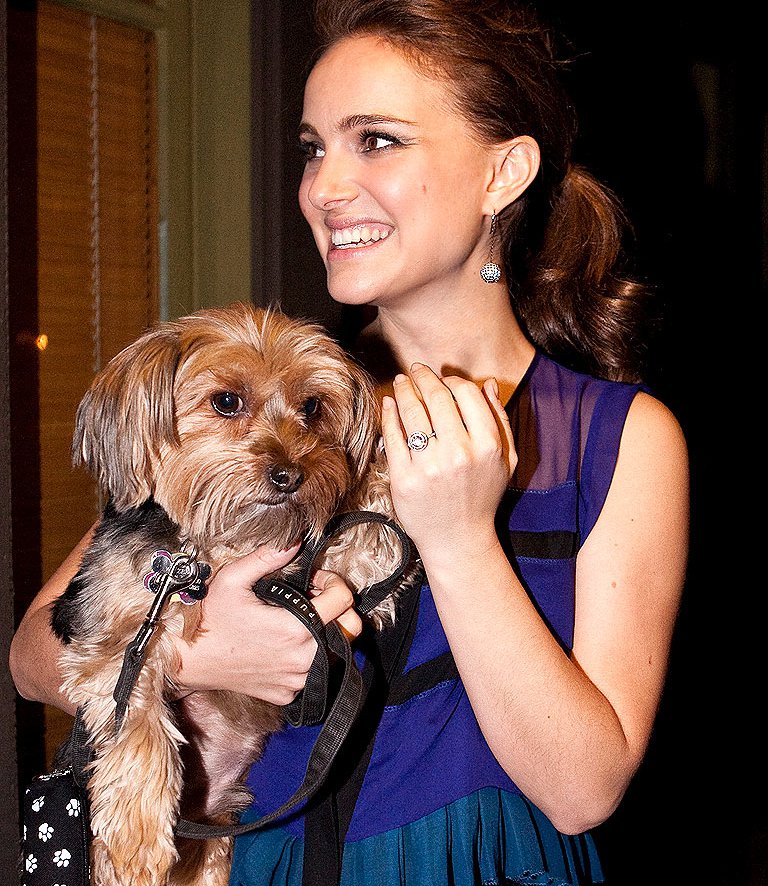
(652, 428)
(636, 402)
(562, 395)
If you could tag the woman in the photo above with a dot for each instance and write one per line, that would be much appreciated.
(512, 704)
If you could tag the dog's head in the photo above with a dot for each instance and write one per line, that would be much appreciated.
(242, 423)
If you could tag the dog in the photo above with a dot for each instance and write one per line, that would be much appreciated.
(227, 429)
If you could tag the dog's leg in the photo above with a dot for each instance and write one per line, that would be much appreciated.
(136, 785)
(203, 862)
(136, 776)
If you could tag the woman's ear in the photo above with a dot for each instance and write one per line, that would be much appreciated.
(515, 165)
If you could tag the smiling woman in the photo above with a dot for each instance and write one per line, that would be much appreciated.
(387, 155)
(517, 694)
(545, 489)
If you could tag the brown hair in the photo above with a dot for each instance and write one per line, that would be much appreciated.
(563, 238)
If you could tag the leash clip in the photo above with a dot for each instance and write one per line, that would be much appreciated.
(179, 574)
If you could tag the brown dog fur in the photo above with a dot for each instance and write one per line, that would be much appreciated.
(148, 430)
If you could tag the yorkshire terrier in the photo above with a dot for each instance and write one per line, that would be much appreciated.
(225, 430)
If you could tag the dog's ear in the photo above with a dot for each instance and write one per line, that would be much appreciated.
(364, 428)
(126, 416)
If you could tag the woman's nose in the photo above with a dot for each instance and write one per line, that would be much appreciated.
(332, 182)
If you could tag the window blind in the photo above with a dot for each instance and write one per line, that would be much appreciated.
(97, 224)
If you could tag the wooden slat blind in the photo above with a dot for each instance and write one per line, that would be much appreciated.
(97, 253)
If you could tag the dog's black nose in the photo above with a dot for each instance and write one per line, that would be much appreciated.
(285, 478)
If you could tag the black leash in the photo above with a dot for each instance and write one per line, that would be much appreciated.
(185, 575)
(309, 706)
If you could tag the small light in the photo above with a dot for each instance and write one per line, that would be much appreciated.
(41, 342)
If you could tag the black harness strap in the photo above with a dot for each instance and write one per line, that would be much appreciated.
(330, 812)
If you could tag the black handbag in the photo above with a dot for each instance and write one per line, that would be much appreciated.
(56, 835)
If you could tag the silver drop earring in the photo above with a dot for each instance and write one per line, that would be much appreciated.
(490, 271)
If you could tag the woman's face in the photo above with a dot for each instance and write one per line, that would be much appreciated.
(394, 186)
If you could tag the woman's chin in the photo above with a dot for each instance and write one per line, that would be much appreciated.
(354, 292)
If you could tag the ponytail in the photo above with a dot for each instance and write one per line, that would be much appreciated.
(575, 302)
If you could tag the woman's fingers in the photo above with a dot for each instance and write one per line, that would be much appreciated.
(334, 601)
(423, 401)
(491, 391)
(267, 650)
(449, 407)
(472, 405)
(414, 415)
(242, 574)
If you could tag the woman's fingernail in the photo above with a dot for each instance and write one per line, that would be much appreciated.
(399, 379)
(495, 387)
(387, 402)
(415, 366)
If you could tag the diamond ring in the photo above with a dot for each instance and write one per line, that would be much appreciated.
(418, 440)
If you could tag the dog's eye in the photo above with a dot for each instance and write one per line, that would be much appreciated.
(311, 407)
(227, 403)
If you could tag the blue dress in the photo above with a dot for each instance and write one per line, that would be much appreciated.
(421, 799)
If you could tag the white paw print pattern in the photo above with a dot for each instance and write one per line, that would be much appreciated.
(73, 808)
(45, 832)
(30, 864)
(38, 804)
(61, 858)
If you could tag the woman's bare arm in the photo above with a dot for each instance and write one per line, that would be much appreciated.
(569, 730)
(35, 649)
(243, 645)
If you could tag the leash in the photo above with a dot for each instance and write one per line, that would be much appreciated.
(182, 574)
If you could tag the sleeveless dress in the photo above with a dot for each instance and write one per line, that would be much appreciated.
(420, 799)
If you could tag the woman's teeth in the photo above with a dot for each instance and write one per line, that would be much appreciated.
(357, 236)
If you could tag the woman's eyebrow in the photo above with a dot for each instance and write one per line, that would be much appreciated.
(355, 121)
(307, 129)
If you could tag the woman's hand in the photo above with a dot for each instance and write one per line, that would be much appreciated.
(247, 646)
(446, 495)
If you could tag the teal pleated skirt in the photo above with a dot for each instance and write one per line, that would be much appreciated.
(490, 838)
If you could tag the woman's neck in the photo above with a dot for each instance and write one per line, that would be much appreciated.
(452, 338)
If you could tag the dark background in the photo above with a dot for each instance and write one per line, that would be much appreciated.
(674, 119)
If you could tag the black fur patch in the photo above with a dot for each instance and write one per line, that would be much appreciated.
(148, 523)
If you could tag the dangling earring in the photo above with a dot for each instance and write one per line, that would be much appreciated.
(490, 271)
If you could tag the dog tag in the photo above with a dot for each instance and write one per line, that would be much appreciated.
(182, 576)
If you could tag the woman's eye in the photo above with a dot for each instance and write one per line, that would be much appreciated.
(227, 403)
(378, 141)
(311, 150)
(310, 408)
